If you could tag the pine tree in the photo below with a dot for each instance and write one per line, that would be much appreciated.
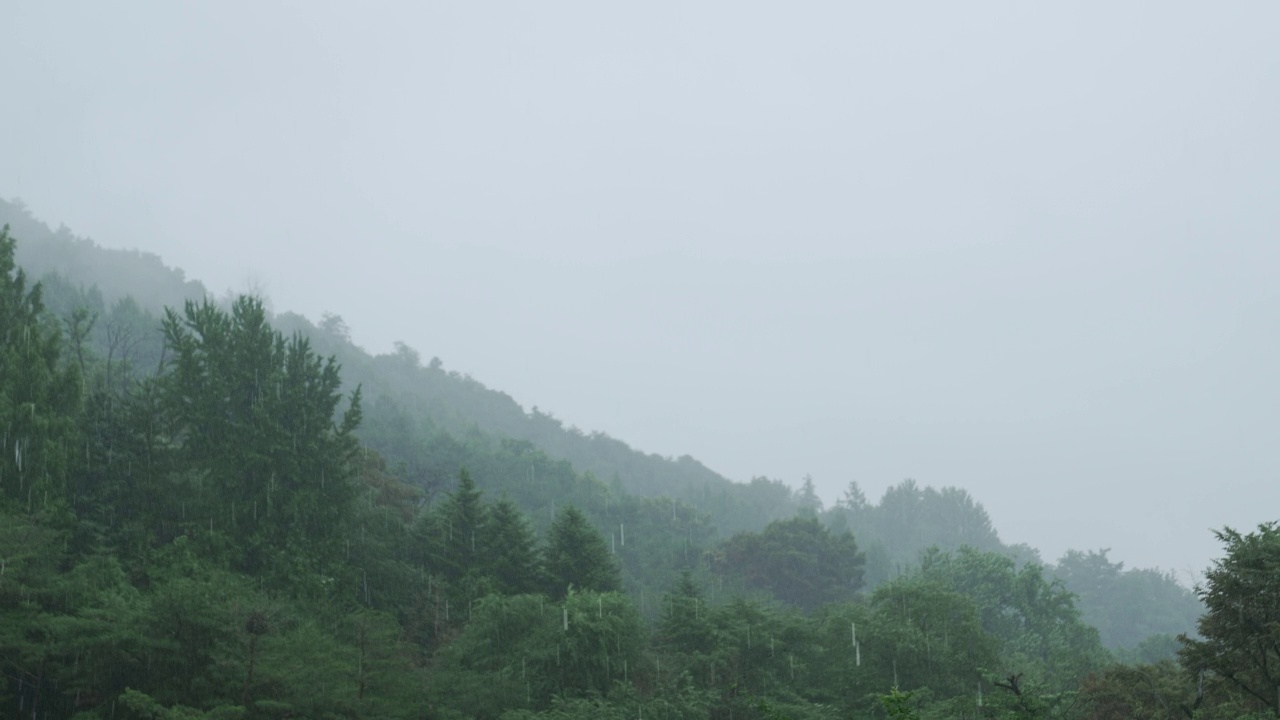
(256, 418)
(461, 518)
(512, 561)
(578, 557)
(39, 395)
(685, 626)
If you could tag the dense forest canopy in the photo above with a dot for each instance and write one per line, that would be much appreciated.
(210, 511)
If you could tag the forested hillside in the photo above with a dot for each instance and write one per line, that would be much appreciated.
(212, 512)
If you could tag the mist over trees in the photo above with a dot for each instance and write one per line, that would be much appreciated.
(210, 511)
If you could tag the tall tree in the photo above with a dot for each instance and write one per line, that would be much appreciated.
(511, 559)
(460, 525)
(577, 556)
(807, 498)
(685, 626)
(39, 394)
(266, 454)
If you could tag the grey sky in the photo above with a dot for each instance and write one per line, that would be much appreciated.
(1030, 251)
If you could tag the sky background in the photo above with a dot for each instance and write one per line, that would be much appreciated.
(1029, 251)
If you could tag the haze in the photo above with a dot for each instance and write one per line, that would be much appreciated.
(1027, 251)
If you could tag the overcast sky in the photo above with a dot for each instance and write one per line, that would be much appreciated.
(1030, 251)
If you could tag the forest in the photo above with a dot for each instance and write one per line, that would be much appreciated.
(208, 510)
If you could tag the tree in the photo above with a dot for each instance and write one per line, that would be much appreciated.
(578, 557)
(1241, 624)
(807, 498)
(39, 394)
(460, 522)
(255, 414)
(1127, 605)
(799, 561)
(928, 635)
(685, 626)
(1034, 619)
(853, 500)
(511, 558)
(1159, 691)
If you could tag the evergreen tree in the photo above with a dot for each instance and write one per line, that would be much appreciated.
(807, 498)
(39, 395)
(511, 558)
(685, 626)
(460, 524)
(267, 461)
(577, 556)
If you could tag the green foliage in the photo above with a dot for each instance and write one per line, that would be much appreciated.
(39, 395)
(577, 556)
(267, 466)
(1127, 606)
(898, 705)
(925, 634)
(521, 651)
(798, 561)
(907, 521)
(133, 704)
(459, 523)
(510, 556)
(685, 626)
(1034, 619)
(1239, 644)
(1159, 691)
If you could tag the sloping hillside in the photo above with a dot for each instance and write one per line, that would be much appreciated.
(446, 400)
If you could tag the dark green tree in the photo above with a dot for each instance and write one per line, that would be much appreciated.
(685, 626)
(511, 562)
(578, 557)
(39, 394)
(460, 522)
(266, 457)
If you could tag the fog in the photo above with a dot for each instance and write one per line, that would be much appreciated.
(1024, 250)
